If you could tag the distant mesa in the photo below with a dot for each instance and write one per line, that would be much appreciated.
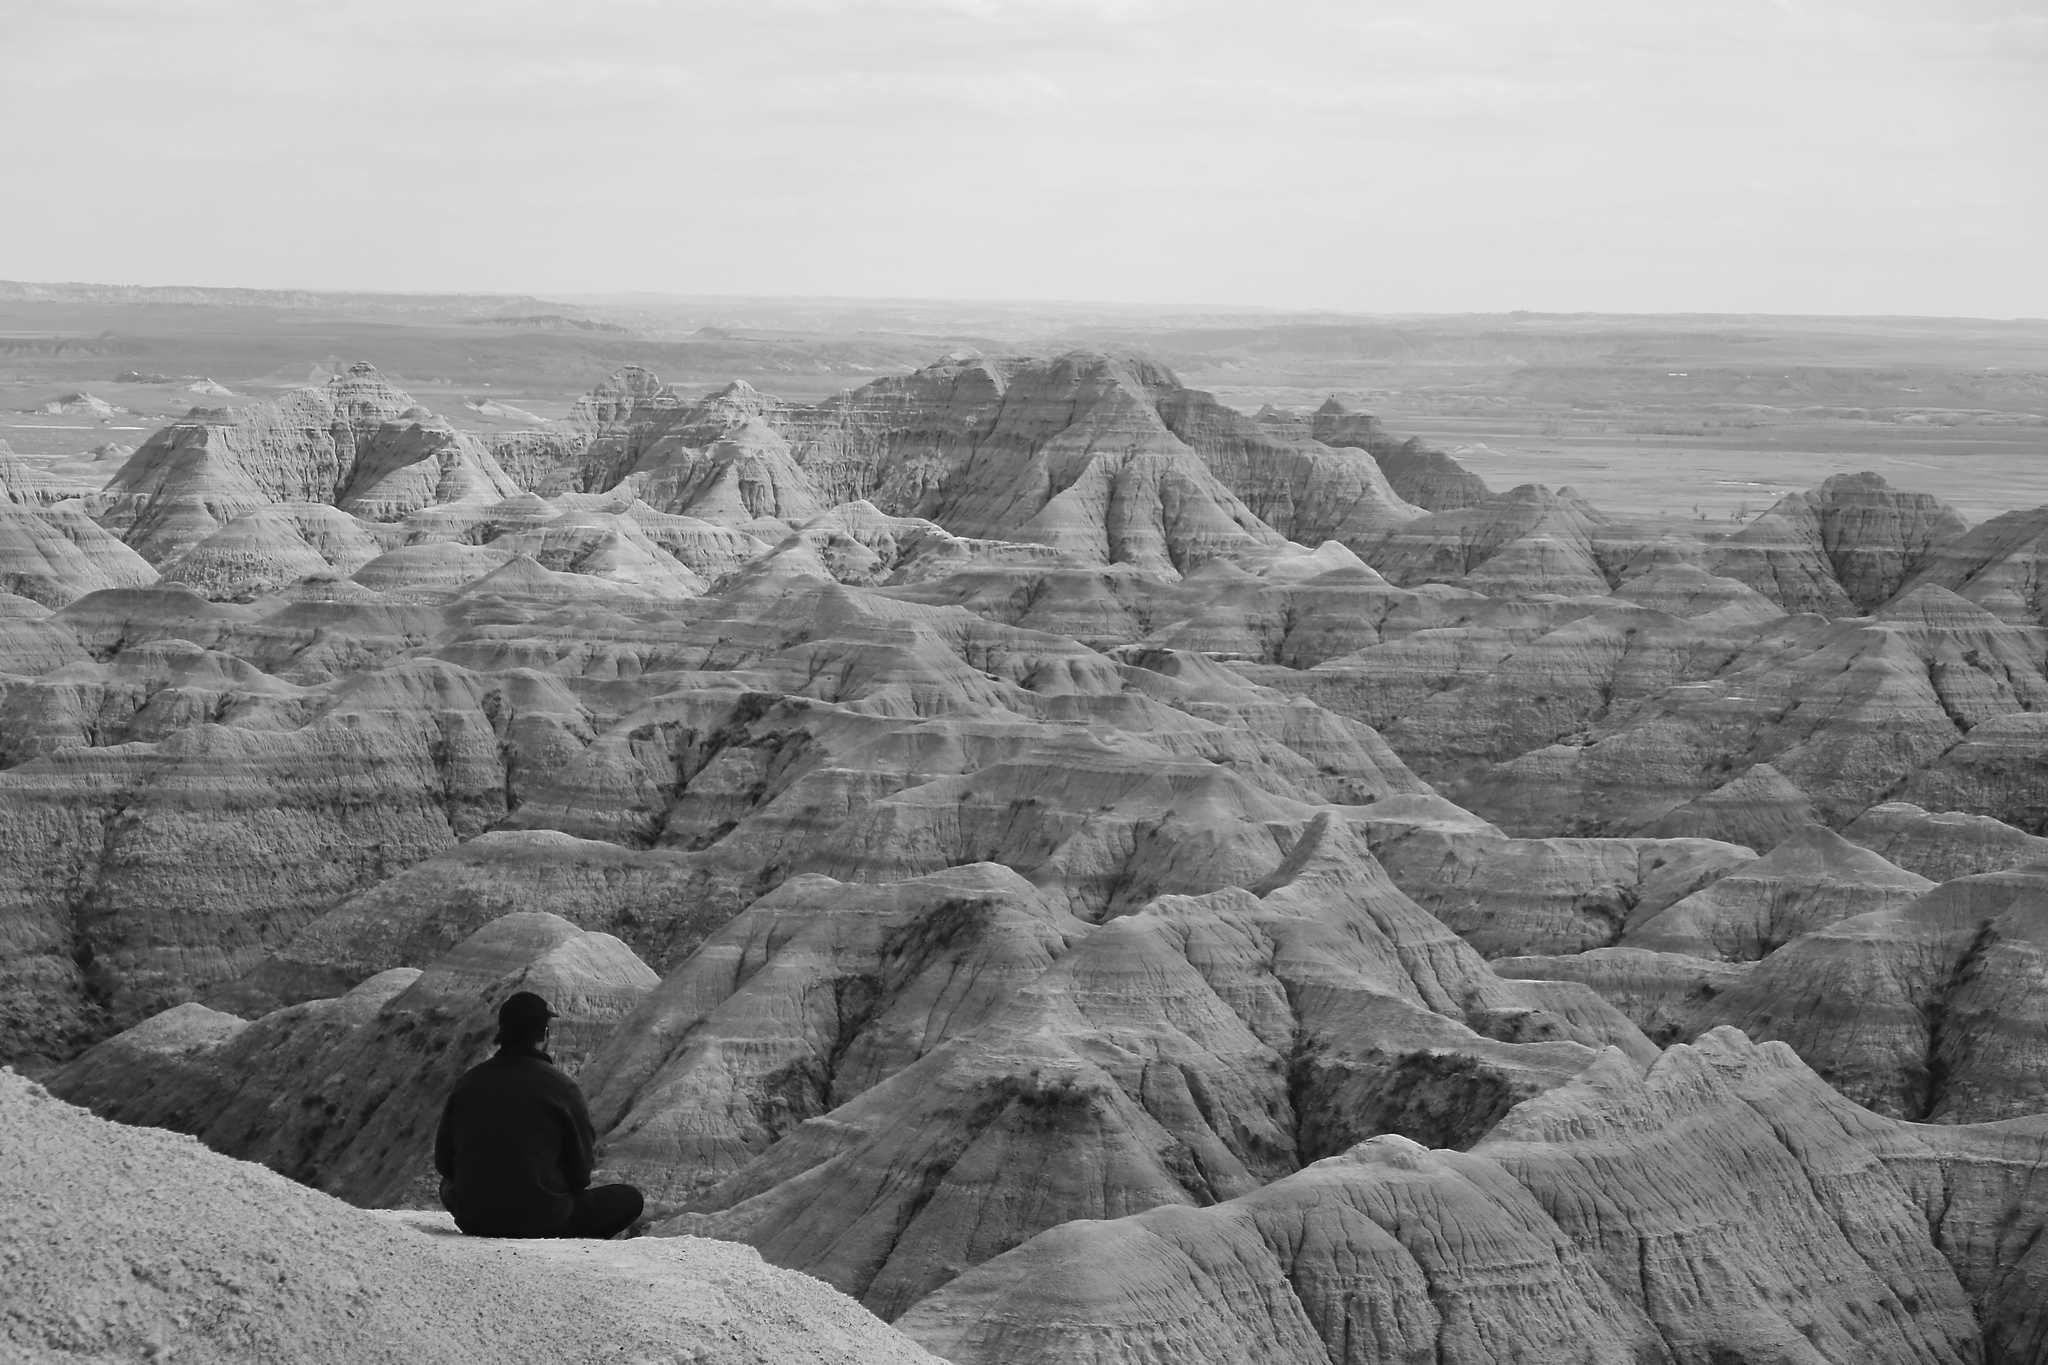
(77, 405)
(209, 388)
(548, 322)
(138, 377)
(490, 407)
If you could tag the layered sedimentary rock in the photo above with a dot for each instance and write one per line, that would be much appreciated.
(1663, 994)
(1108, 457)
(638, 895)
(1846, 546)
(1018, 773)
(1512, 896)
(1930, 1010)
(1219, 1041)
(1528, 540)
(1691, 593)
(1759, 807)
(1812, 880)
(26, 485)
(189, 479)
(141, 870)
(1945, 845)
(341, 761)
(1295, 611)
(356, 443)
(144, 694)
(608, 547)
(30, 641)
(747, 475)
(1999, 566)
(1728, 1206)
(55, 554)
(1187, 1052)
(273, 547)
(1995, 770)
(1428, 478)
(1462, 684)
(431, 570)
(818, 992)
(343, 1093)
(1845, 714)
(710, 551)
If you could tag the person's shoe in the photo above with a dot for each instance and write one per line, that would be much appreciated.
(649, 1216)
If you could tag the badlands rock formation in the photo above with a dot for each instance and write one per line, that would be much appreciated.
(1727, 1206)
(125, 1244)
(1813, 879)
(54, 554)
(355, 443)
(1428, 478)
(1930, 1010)
(1998, 565)
(1946, 845)
(24, 484)
(1848, 545)
(343, 1093)
(1025, 813)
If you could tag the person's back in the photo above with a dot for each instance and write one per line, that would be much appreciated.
(515, 1146)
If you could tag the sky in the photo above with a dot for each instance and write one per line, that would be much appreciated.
(1817, 156)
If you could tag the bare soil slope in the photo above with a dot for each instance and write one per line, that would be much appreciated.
(128, 1244)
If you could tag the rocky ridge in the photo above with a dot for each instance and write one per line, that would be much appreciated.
(1618, 1218)
(1022, 793)
(126, 1244)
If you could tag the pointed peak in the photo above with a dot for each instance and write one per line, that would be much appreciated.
(1814, 850)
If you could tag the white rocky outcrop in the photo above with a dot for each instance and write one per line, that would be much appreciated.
(126, 1244)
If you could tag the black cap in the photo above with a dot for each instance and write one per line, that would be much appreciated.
(524, 1008)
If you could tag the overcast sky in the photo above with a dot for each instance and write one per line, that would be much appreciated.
(1843, 156)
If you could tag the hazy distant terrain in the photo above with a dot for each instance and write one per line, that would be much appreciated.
(1705, 417)
(1425, 856)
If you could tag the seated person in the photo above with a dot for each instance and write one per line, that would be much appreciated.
(515, 1146)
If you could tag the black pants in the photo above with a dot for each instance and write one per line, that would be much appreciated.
(602, 1211)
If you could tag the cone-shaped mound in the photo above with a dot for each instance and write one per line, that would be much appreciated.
(1813, 879)
(54, 555)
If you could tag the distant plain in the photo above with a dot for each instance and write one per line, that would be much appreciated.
(1704, 418)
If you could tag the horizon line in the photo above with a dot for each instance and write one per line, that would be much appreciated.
(1257, 310)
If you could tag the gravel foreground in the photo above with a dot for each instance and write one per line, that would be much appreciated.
(132, 1244)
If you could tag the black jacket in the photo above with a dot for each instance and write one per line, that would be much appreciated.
(515, 1145)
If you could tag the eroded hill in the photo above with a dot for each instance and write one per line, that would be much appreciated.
(1028, 791)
